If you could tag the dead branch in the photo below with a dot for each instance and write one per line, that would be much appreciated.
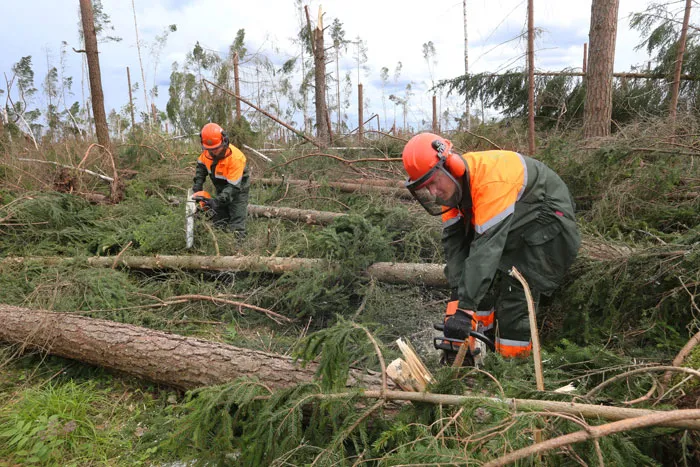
(89, 172)
(684, 352)
(606, 412)
(609, 381)
(340, 159)
(597, 432)
(484, 138)
(276, 317)
(537, 356)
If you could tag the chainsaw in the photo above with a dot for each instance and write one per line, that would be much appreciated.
(477, 345)
(194, 205)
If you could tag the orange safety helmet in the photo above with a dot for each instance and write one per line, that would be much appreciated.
(424, 151)
(425, 156)
(213, 137)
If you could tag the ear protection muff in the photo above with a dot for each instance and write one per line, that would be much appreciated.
(224, 139)
(454, 162)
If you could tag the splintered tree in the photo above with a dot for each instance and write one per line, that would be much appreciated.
(98, 106)
(318, 49)
(601, 59)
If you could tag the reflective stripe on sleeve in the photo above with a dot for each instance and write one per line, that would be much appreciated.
(481, 228)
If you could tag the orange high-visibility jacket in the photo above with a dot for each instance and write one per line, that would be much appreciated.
(228, 174)
(515, 211)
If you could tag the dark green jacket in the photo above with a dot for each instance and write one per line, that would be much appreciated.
(538, 234)
(229, 175)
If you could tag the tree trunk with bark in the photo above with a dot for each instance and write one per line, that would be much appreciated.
(308, 216)
(394, 273)
(323, 132)
(597, 113)
(673, 103)
(93, 60)
(344, 187)
(178, 361)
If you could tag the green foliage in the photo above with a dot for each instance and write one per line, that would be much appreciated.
(57, 422)
(316, 293)
(607, 297)
(337, 347)
(353, 241)
(164, 232)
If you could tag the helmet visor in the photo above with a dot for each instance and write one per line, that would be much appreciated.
(217, 152)
(437, 191)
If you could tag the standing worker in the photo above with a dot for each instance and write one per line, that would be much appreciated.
(226, 166)
(499, 209)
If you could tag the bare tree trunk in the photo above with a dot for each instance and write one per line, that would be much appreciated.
(531, 77)
(679, 64)
(466, 66)
(344, 187)
(435, 123)
(138, 50)
(93, 60)
(178, 361)
(597, 113)
(322, 130)
(360, 114)
(131, 100)
(308, 216)
(237, 86)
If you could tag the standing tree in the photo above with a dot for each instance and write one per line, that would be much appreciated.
(93, 59)
(339, 44)
(467, 110)
(316, 36)
(384, 76)
(601, 59)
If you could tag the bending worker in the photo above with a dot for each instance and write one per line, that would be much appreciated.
(499, 209)
(226, 166)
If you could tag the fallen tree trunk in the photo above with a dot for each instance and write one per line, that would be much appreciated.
(308, 216)
(187, 363)
(178, 361)
(344, 187)
(393, 273)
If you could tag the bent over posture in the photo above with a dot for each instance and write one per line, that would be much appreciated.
(226, 166)
(499, 209)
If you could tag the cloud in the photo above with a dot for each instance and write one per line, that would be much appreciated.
(392, 32)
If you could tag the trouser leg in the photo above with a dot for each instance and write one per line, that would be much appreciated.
(512, 320)
(238, 210)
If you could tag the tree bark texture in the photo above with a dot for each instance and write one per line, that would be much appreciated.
(597, 113)
(344, 187)
(322, 130)
(307, 216)
(178, 361)
(673, 104)
(93, 60)
(394, 273)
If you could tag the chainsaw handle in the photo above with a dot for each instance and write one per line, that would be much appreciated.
(480, 336)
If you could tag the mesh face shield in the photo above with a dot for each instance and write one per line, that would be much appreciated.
(448, 191)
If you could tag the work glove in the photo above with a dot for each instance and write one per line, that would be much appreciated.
(196, 188)
(457, 322)
(212, 204)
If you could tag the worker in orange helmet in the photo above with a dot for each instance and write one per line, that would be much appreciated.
(226, 166)
(499, 209)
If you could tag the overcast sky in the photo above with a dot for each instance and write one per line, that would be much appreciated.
(393, 32)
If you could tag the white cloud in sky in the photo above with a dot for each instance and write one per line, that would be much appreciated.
(392, 31)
